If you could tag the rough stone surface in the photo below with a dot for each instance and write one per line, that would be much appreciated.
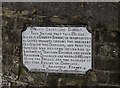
(0, 44)
(101, 17)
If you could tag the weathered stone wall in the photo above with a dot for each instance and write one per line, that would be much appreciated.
(0, 44)
(101, 17)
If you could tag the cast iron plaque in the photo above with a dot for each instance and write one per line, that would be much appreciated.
(57, 49)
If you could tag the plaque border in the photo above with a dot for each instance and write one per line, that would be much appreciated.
(89, 29)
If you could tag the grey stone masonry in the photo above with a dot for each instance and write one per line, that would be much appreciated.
(101, 17)
(0, 44)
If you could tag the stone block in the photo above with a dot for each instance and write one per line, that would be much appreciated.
(114, 78)
(106, 64)
(102, 77)
(110, 50)
(10, 66)
(8, 22)
(107, 36)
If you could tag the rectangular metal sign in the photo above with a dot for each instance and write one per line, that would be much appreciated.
(57, 49)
